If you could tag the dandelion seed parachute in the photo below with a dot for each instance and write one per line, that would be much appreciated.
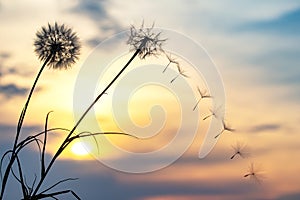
(255, 174)
(59, 44)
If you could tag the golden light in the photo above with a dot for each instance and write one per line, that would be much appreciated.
(80, 149)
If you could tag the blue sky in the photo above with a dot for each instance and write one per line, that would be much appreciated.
(255, 47)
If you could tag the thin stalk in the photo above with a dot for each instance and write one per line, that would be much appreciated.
(62, 147)
(23, 113)
(20, 123)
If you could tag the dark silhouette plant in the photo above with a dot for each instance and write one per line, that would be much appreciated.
(58, 47)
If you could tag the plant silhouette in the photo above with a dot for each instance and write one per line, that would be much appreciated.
(58, 47)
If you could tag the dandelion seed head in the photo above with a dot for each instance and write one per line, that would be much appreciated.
(59, 44)
(146, 40)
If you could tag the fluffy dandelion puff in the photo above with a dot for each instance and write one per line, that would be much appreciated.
(146, 41)
(58, 45)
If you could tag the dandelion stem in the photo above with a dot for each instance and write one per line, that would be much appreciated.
(19, 127)
(233, 155)
(207, 117)
(174, 78)
(22, 115)
(166, 67)
(196, 104)
(66, 141)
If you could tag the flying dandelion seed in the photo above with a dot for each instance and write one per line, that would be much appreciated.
(181, 72)
(226, 127)
(144, 39)
(58, 44)
(203, 94)
(171, 60)
(240, 149)
(255, 173)
(217, 112)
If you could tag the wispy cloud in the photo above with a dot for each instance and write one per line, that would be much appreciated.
(291, 196)
(287, 23)
(104, 184)
(97, 12)
(265, 128)
(7, 131)
(4, 55)
(11, 90)
(8, 69)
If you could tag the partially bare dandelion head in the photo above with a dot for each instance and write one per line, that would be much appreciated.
(240, 149)
(255, 173)
(145, 40)
(58, 44)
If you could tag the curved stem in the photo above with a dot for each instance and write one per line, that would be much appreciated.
(20, 123)
(22, 115)
(62, 147)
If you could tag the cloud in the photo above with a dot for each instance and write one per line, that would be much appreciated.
(107, 184)
(8, 131)
(265, 128)
(4, 55)
(95, 9)
(94, 41)
(292, 196)
(97, 12)
(287, 23)
(10, 70)
(276, 54)
(11, 90)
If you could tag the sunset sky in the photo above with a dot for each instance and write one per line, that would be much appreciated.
(255, 47)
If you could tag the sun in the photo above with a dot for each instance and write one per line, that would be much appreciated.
(80, 149)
